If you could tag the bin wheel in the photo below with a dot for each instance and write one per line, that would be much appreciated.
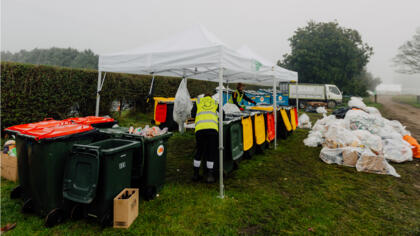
(76, 212)
(16, 192)
(150, 193)
(55, 217)
(106, 220)
(28, 206)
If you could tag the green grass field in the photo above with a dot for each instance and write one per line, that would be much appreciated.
(407, 99)
(284, 191)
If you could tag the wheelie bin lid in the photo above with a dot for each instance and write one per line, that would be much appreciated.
(47, 122)
(262, 108)
(57, 132)
(91, 120)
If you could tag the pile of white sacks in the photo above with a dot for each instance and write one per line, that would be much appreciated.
(363, 139)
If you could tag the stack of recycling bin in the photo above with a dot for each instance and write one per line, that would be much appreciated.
(75, 167)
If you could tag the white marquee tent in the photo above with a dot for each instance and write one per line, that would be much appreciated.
(195, 54)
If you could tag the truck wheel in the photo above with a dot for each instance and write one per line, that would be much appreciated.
(331, 104)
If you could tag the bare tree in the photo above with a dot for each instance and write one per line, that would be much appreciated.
(408, 57)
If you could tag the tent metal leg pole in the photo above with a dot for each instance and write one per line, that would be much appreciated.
(98, 96)
(221, 133)
(275, 112)
(297, 95)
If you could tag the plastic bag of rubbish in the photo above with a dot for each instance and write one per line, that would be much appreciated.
(338, 137)
(358, 119)
(332, 155)
(321, 110)
(398, 127)
(397, 150)
(372, 163)
(182, 105)
(314, 139)
(369, 140)
(357, 102)
(323, 124)
(229, 108)
(304, 122)
(373, 111)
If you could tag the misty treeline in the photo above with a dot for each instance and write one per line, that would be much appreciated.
(67, 57)
(408, 57)
(330, 54)
(323, 53)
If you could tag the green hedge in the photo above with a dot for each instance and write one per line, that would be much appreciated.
(30, 93)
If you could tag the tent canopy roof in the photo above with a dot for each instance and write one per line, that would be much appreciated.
(272, 68)
(195, 53)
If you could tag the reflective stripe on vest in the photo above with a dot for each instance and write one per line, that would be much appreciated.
(238, 99)
(206, 117)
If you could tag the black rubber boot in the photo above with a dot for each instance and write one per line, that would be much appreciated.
(210, 176)
(196, 177)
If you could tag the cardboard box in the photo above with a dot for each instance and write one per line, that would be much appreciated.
(9, 167)
(126, 209)
(350, 158)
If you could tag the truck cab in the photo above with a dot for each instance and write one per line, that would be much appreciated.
(333, 95)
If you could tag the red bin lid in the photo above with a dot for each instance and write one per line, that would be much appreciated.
(42, 124)
(88, 120)
(39, 133)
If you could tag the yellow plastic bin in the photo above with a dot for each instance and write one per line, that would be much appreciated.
(259, 128)
(248, 136)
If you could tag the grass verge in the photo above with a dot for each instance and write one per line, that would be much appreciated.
(407, 99)
(284, 191)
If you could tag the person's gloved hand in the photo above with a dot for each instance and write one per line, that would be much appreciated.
(241, 109)
(253, 102)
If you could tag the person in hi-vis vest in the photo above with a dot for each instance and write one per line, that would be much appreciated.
(206, 135)
(238, 95)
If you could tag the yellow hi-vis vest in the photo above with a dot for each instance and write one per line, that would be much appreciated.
(238, 98)
(206, 117)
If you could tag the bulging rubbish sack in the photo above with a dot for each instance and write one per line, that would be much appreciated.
(332, 155)
(314, 139)
(372, 163)
(397, 150)
(229, 108)
(357, 102)
(183, 105)
(304, 122)
(321, 110)
(371, 141)
(337, 136)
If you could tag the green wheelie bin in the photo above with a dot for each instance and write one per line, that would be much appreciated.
(95, 174)
(22, 190)
(149, 162)
(233, 145)
(47, 150)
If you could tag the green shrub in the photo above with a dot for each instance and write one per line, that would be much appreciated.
(30, 93)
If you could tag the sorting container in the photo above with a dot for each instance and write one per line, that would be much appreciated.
(149, 162)
(248, 136)
(282, 131)
(233, 145)
(95, 121)
(271, 132)
(47, 150)
(23, 190)
(95, 174)
(259, 131)
(153, 173)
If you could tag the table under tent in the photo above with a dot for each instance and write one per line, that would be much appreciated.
(195, 54)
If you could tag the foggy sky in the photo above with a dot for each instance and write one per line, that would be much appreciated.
(265, 26)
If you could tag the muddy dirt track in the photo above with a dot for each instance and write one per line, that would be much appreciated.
(408, 115)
